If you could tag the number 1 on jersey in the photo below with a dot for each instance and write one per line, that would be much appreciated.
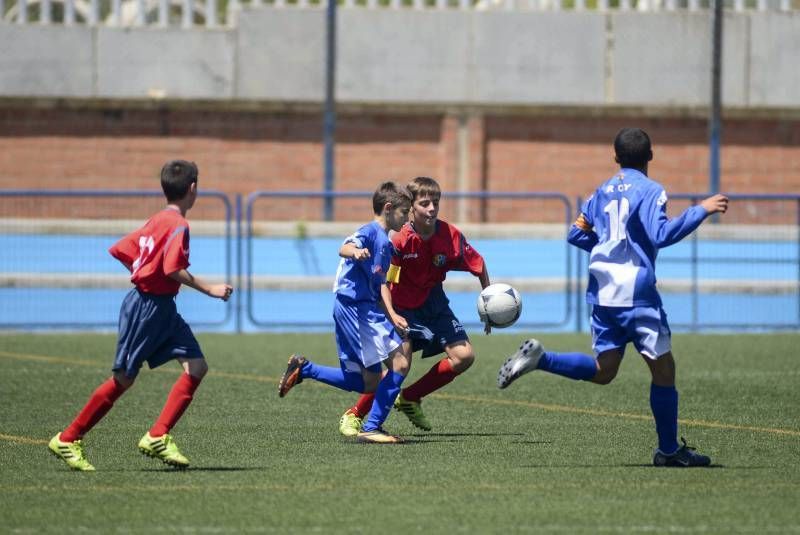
(617, 211)
(146, 246)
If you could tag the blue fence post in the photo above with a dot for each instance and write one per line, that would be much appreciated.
(578, 279)
(695, 277)
(239, 294)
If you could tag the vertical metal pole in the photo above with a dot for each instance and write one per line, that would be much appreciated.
(237, 322)
(695, 287)
(330, 107)
(578, 279)
(248, 266)
(714, 127)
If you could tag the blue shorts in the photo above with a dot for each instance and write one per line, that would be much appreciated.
(152, 331)
(364, 336)
(646, 327)
(433, 325)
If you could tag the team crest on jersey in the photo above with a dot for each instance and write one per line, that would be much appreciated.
(439, 260)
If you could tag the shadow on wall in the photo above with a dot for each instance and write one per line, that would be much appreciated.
(185, 121)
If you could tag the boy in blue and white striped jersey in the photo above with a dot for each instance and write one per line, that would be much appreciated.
(623, 225)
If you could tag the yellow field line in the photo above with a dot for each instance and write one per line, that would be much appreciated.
(452, 397)
(94, 364)
(22, 440)
(461, 487)
(626, 415)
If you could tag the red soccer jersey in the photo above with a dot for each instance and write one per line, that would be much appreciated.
(419, 264)
(154, 251)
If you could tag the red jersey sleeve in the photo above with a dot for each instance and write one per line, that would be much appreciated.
(176, 251)
(126, 250)
(467, 258)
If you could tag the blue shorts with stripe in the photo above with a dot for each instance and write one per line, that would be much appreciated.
(433, 325)
(645, 327)
(151, 331)
(364, 336)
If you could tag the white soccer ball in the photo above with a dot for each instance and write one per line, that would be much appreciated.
(499, 305)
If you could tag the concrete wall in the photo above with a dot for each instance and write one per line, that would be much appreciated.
(419, 57)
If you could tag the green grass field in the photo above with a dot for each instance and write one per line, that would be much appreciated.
(547, 455)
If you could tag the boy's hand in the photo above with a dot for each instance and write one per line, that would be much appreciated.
(360, 254)
(222, 291)
(715, 203)
(400, 325)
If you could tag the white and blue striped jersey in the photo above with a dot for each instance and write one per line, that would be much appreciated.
(361, 280)
(623, 225)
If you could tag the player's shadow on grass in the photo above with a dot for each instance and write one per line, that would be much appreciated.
(621, 465)
(167, 469)
(493, 435)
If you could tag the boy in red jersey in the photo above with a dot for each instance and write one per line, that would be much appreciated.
(426, 249)
(150, 328)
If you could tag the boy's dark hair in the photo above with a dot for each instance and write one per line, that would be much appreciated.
(392, 193)
(423, 186)
(177, 176)
(632, 148)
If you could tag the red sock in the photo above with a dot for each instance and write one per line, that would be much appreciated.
(439, 375)
(179, 398)
(100, 402)
(363, 405)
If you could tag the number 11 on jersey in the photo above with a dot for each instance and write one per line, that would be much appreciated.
(617, 211)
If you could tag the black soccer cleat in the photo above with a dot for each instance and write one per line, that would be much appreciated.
(685, 457)
(291, 376)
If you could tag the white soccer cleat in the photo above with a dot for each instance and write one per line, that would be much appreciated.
(525, 360)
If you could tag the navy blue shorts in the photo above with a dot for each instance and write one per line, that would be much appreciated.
(151, 331)
(433, 325)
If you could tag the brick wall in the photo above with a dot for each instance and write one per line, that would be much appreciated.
(239, 150)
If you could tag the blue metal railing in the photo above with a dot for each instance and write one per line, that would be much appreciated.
(125, 194)
(547, 196)
(695, 260)
(719, 283)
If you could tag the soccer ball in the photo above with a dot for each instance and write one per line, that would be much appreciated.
(499, 305)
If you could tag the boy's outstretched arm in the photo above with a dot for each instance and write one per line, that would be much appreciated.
(484, 277)
(715, 203)
(665, 232)
(485, 281)
(220, 291)
(582, 235)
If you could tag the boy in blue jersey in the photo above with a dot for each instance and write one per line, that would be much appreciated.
(365, 337)
(622, 226)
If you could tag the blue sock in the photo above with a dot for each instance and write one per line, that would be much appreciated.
(572, 365)
(385, 395)
(664, 403)
(350, 381)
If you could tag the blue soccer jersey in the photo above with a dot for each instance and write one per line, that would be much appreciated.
(623, 225)
(361, 280)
